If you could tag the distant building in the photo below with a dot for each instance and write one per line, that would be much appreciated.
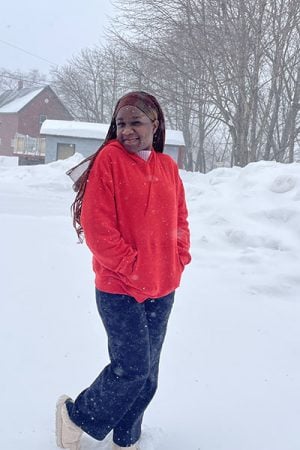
(64, 138)
(22, 112)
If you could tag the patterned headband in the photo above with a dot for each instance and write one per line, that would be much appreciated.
(146, 105)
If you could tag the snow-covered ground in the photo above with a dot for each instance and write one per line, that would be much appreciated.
(230, 371)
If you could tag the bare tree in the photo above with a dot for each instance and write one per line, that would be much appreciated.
(283, 59)
(241, 55)
(227, 73)
(89, 84)
(159, 37)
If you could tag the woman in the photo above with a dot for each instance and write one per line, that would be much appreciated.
(131, 208)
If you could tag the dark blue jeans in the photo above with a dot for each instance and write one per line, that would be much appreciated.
(117, 399)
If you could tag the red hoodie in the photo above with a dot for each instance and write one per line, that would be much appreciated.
(134, 219)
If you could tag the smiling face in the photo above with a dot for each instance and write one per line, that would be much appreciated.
(134, 129)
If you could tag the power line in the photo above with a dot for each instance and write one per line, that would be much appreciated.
(18, 77)
(28, 53)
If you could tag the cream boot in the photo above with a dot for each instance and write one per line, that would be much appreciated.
(67, 433)
(132, 447)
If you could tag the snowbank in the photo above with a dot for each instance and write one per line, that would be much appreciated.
(230, 371)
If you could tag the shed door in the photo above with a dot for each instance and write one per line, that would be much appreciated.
(64, 151)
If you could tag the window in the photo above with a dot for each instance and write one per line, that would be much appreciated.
(64, 151)
(43, 117)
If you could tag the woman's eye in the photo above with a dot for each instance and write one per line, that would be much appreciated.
(135, 123)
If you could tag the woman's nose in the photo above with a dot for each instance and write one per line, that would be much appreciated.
(127, 129)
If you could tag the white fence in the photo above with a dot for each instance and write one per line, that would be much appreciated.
(27, 145)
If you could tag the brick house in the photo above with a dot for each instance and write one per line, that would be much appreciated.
(22, 112)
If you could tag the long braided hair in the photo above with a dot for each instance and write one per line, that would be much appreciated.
(148, 104)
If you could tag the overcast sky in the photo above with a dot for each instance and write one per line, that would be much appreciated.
(52, 29)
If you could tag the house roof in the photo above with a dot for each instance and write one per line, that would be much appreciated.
(72, 128)
(174, 137)
(13, 101)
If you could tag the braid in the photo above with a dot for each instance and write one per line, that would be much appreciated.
(80, 184)
(160, 134)
(79, 187)
(148, 104)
